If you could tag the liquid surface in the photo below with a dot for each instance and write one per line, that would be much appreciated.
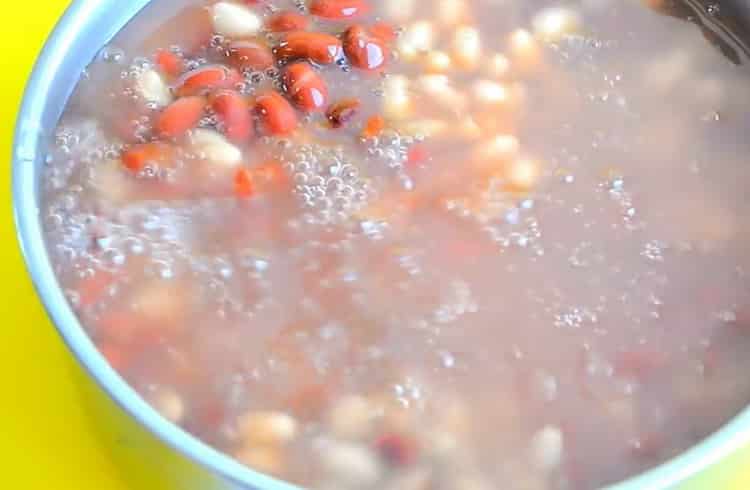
(534, 272)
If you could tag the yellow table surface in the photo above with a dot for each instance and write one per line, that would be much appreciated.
(48, 437)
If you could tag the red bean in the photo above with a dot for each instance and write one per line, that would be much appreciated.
(339, 9)
(287, 21)
(276, 114)
(364, 50)
(271, 175)
(383, 31)
(115, 355)
(417, 154)
(169, 63)
(234, 113)
(180, 116)
(250, 54)
(397, 449)
(207, 78)
(639, 363)
(373, 127)
(305, 87)
(243, 183)
(342, 112)
(316, 46)
(93, 288)
(138, 156)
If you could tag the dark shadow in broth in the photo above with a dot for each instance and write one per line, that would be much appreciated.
(724, 24)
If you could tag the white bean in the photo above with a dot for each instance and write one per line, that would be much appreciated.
(416, 39)
(396, 99)
(467, 47)
(235, 20)
(169, 404)
(152, 87)
(437, 62)
(522, 174)
(427, 128)
(399, 10)
(350, 465)
(267, 428)
(111, 182)
(524, 49)
(468, 128)
(160, 301)
(352, 417)
(264, 459)
(554, 23)
(214, 148)
(414, 479)
(487, 92)
(439, 87)
(471, 483)
(664, 72)
(501, 146)
(547, 448)
(498, 66)
(452, 12)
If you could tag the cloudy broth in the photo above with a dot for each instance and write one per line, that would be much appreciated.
(412, 245)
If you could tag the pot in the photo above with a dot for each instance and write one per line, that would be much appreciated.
(86, 27)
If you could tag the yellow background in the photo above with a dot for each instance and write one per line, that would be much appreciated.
(52, 436)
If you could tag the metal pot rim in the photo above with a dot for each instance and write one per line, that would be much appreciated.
(87, 26)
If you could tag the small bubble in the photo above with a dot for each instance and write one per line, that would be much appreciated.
(406, 182)
(111, 54)
(113, 257)
(53, 222)
(73, 298)
(134, 245)
(447, 359)
(164, 270)
(727, 316)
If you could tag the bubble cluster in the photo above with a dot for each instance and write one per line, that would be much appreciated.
(654, 250)
(328, 184)
(457, 302)
(575, 317)
(112, 54)
(390, 148)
